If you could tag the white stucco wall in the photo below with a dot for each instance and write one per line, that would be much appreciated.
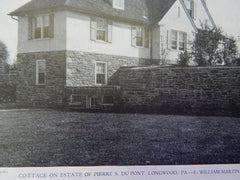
(39, 45)
(171, 21)
(78, 38)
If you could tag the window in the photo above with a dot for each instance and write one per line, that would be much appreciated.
(190, 5)
(178, 40)
(140, 36)
(40, 27)
(101, 29)
(101, 73)
(107, 100)
(95, 102)
(40, 72)
(118, 4)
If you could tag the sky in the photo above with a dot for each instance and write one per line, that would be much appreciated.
(225, 13)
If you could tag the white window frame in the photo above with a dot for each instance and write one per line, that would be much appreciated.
(144, 37)
(191, 7)
(119, 4)
(95, 28)
(34, 21)
(96, 73)
(178, 40)
(37, 72)
(103, 29)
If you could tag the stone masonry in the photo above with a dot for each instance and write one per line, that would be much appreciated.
(173, 89)
(81, 66)
(30, 94)
(64, 70)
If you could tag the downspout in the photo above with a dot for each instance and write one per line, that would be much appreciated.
(151, 51)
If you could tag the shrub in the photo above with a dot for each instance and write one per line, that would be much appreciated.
(184, 59)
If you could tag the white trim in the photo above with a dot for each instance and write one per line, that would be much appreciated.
(119, 4)
(143, 36)
(37, 72)
(95, 72)
(178, 37)
(33, 21)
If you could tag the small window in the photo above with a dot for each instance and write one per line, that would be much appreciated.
(140, 36)
(41, 27)
(118, 4)
(40, 72)
(95, 102)
(178, 40)
(101, 73)
(101, 29)
(190, 5)
(107, 100)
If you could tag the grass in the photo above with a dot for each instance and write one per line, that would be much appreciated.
(59, 138)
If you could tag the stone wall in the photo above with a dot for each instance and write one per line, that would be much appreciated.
(201, 90)
(81, 66)
(52, 93)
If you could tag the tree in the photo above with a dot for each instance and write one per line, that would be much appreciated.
(3, 56)
(211, 47)
(229, 50)
(205, 45)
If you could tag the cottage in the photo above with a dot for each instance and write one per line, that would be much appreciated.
(68, 50)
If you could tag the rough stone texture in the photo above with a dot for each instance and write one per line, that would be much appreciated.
(172, 89)
(28, 93)
(81, 66)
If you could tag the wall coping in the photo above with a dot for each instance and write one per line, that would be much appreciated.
(176, 67)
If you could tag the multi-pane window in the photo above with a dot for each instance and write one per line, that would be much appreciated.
(40, 27)
(101, 73)
(40, 72)
(190, 5)
(178, 40)
(140, 36)
(118, 4)
(101, 29)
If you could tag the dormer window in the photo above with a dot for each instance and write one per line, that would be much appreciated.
(190, 4)
(118, 4)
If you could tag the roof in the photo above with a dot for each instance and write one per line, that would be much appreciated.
(145, 11)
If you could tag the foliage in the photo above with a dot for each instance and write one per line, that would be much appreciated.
(184, 59)
(163, 55)
(229, 50)
(211, 47)
(7, 93)
(205, 45)
(3, 55)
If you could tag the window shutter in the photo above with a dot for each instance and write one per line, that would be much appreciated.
(146, 37)
(93, 28)
(168, 39)
(30, 27)
(189, 42)
(51, 25)
(134, 40)
(109, 31)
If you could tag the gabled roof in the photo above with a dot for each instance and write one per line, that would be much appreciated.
(144, 11)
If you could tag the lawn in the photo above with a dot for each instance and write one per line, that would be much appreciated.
(60, 138)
